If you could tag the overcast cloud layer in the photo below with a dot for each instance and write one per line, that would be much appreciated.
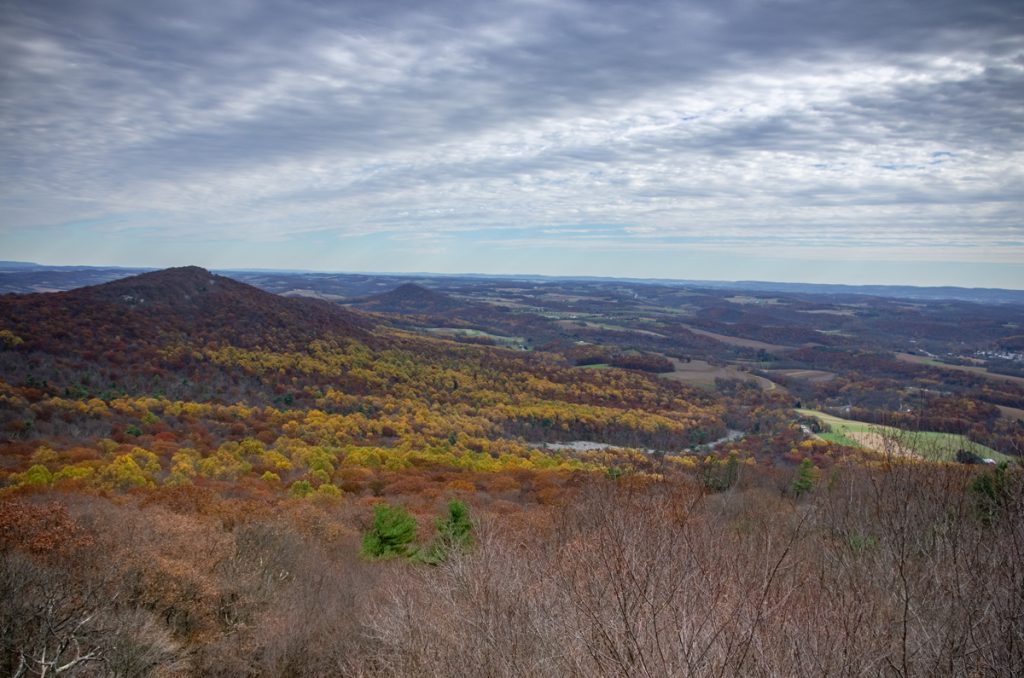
(878, 141)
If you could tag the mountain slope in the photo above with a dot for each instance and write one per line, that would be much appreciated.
(177, 306)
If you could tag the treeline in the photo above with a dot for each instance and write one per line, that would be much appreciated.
(633, 360)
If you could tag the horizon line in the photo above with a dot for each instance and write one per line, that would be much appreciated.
(651, 280)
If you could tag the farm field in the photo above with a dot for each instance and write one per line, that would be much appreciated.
(572, 324)
(922, 360)
(1011, 412)
(813, 376)
(736, 341)
(703, 374)
(888, 440)
(746, 299)
(459, 332)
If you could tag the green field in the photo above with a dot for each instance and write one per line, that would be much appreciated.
(928, 444)
(453, 332)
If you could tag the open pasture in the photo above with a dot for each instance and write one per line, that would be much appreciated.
(928, 445)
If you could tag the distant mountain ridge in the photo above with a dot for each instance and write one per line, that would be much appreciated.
(986, 295)
(26, 277)
(17, 265)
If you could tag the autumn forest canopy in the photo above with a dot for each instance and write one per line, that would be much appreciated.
(356, 475)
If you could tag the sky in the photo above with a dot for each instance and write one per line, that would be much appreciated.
(812, 141)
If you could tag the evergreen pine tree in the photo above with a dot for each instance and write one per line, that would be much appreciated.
(804, 480)
(391, 535)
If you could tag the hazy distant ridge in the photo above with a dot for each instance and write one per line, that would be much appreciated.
(21, 277)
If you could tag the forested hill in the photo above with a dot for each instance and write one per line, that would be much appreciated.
(412, 299)
(191, 336)
(178, 304)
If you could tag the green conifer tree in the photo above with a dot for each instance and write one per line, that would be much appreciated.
(391, 535)
(803, 482)
(454, 531)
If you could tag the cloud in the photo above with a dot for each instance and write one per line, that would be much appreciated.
(865, 123)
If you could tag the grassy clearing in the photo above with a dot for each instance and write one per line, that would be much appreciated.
(822, 311)
(455, 332)
(926, 444)
(813, 376)
(758, 301)
(839, 439)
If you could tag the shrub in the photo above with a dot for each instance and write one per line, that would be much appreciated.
(123, 473)
(991, 491)
(967, 457)
(300, 489)
(37, 475)
(328, 490)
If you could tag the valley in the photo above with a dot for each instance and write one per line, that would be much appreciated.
(216, 470)
(534, 339)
